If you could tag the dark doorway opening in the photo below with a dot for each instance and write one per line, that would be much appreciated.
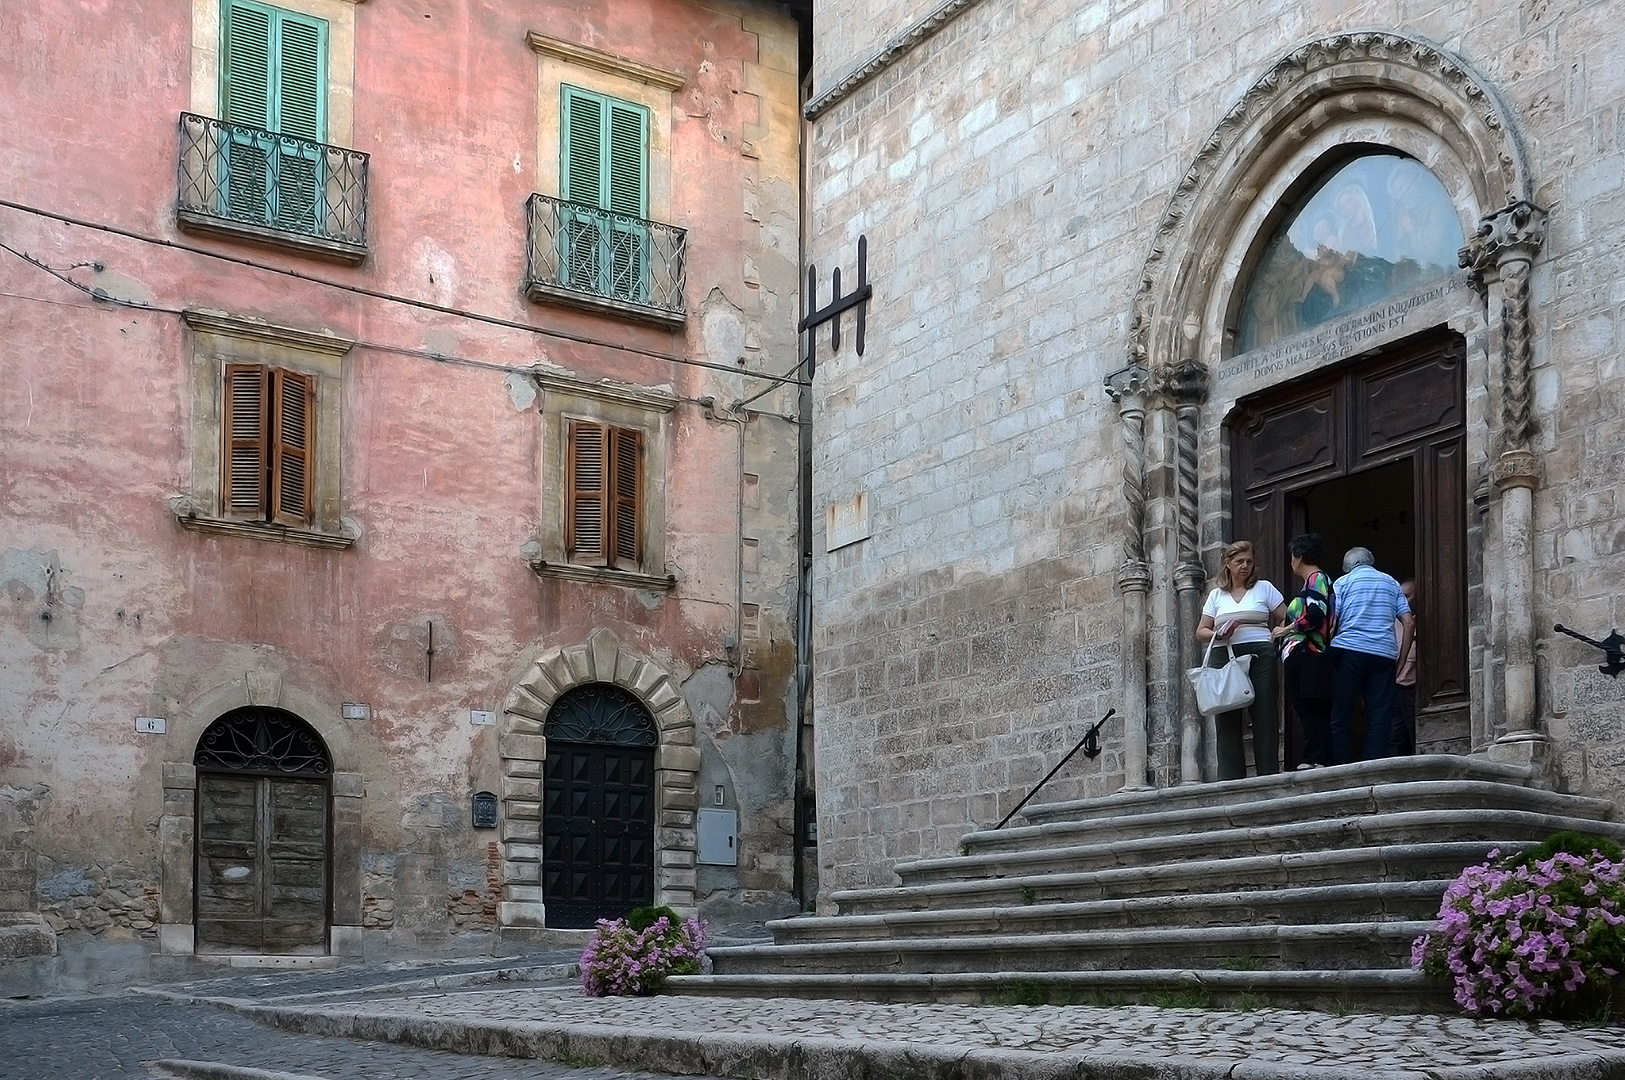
(1371, 453)
(1373, 509)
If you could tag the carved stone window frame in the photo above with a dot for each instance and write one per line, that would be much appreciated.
(219, 339)
(564, 399)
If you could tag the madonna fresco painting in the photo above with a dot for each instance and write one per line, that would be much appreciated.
(1378, 225)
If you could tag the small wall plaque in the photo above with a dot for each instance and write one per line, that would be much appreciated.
(355, 710)
(150, 725)
(481, 719)
(485, 810)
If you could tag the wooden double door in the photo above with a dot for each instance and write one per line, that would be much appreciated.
(262, 863)
(1372, 454)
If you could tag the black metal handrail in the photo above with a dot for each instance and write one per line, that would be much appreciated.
(575, 248)
(248, 176)
(1089, 744)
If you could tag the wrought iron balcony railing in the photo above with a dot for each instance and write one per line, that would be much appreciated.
(245, 181)
(599, 259)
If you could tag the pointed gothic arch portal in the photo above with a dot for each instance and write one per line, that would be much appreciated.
(598, 811)
(264, 835)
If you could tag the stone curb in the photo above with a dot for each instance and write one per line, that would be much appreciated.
(770, 1057)
(214, 1070)
(458, 980)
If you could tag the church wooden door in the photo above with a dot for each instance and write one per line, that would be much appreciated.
(1403, 411)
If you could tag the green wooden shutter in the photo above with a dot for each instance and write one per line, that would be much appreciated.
(273, 69)
(273, 78)
(604, 151)
(582, 147)
(245, 65)
(626, 163)
(301, 77)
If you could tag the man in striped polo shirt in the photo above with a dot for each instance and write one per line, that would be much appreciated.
(1364, 652)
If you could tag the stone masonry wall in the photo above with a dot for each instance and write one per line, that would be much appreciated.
(1008, 174)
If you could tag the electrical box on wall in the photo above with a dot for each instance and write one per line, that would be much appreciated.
(718, 834)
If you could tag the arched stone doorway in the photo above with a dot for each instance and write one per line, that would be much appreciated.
(598, 806)
(264, 834)
(635, 685)
(1193, 375)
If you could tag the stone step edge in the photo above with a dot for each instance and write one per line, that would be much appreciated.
(1288, 897)
(1468, 851)
(1397, 980)
(187, 1069)
(1408, 929)
(789, 1057)
(1427, 766)
(1425, 822)
(1344, 802)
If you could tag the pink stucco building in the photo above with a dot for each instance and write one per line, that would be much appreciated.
(400, 473)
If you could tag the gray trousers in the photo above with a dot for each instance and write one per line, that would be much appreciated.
(1266, 712)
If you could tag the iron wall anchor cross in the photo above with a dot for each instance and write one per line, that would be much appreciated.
(857, 298)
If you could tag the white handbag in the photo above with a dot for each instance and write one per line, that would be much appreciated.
(1221, 689)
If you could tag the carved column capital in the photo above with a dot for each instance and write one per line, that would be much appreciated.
(1189, 576)
(1511, 234)
(1129, 387)
(1186, 383)
(1134, 576)
(1516, 469)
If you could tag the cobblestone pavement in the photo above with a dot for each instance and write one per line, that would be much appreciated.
(1130, 1033)
(99, 1038)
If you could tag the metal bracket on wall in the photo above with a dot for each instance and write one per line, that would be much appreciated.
(1612, 646)
(831, 313)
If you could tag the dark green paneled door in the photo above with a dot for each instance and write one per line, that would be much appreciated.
(598, 813)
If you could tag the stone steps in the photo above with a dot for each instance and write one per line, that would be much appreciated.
(1370, 830)
(1398, 798)
(1381, 901)
(1399, 862)
(1300, 889)
(1429, 768)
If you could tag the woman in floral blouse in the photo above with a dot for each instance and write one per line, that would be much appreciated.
(1304, 639)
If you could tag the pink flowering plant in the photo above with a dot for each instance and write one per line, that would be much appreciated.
(1537, 934)
(634, 955)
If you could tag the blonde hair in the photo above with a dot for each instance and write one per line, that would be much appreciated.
(1240, 547)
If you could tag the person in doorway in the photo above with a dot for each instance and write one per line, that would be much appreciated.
(1403, 741)
(1364, 650)
(1240, 613)
(1304, 640)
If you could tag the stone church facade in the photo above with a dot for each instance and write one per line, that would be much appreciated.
(1077, 387)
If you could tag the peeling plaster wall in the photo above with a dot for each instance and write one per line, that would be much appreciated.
(110, 610)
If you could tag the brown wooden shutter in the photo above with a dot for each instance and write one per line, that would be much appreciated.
(585, 495)
(293, 415)
(246, 418)
(626, 467)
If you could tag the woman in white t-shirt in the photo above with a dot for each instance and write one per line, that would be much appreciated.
(1240, 613)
